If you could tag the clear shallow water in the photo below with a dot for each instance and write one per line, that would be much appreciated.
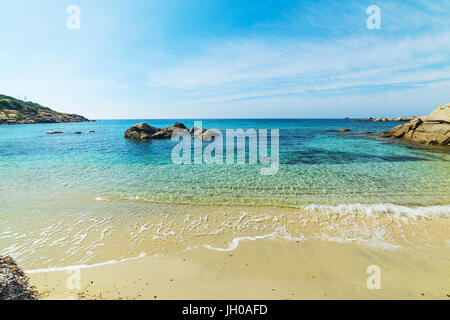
(70, 199)
(317, 166)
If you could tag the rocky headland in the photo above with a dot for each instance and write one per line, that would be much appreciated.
(432, 129)
(15, 111)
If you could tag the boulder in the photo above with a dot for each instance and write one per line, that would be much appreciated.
(343, 130)
(180, 126)
(178, 129)
(193, 130)
(54, 132)
(205, 134)
(441, 114)
(431, 129)
(141, 131)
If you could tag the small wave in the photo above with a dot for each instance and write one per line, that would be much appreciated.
(283, 234)
(442, 211)
(375, 243)
(235, 242)
(84, 266)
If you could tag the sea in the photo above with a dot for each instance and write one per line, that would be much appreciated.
(72, 199)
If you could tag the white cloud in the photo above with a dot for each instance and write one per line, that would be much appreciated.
(252, 68)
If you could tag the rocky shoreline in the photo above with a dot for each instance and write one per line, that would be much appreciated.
(15, 111)
(432, 129)
(399, 119)
(14, 284)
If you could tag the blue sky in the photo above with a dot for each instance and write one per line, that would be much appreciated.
(226, 59)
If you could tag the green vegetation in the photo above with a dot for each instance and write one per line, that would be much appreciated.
(15, 111)
(10, 103)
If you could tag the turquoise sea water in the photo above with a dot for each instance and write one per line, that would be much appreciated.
(70, 199)
(317, 166)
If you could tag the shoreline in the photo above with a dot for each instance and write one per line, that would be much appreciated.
(236, 253)
(261, 269)
(115, 230)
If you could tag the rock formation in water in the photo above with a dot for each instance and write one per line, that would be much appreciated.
(431, 129)
(15, 111)
(143, 131)
(399, 119)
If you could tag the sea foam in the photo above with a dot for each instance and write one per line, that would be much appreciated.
(375, 210)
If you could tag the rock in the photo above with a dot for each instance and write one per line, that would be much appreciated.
(441, 114)
(431, 129)
(343, 130)
(197, 131)
(178, 129)
(180, 125)
(92, 131)
(14, 284)
(194, 130)
(143, 131)
(382, 119)
(78, 132)
(365, 132)
(206, 135)
(54, 132)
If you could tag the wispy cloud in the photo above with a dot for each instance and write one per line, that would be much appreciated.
(248, 68)
(410, 53)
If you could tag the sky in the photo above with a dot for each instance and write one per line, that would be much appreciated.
(227, 59)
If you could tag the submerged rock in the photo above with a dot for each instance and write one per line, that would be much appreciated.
(343, 130)
(431, 129)
(14, 284)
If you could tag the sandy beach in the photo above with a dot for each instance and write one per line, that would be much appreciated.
(297, 261)
(263, 269)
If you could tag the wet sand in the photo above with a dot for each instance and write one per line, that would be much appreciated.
(195, 252)
(264, 269)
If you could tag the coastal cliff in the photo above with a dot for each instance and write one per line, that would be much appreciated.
(431, 129)
(15, 111)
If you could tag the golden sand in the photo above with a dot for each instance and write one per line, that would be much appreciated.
(263, 253)
(263, 269)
